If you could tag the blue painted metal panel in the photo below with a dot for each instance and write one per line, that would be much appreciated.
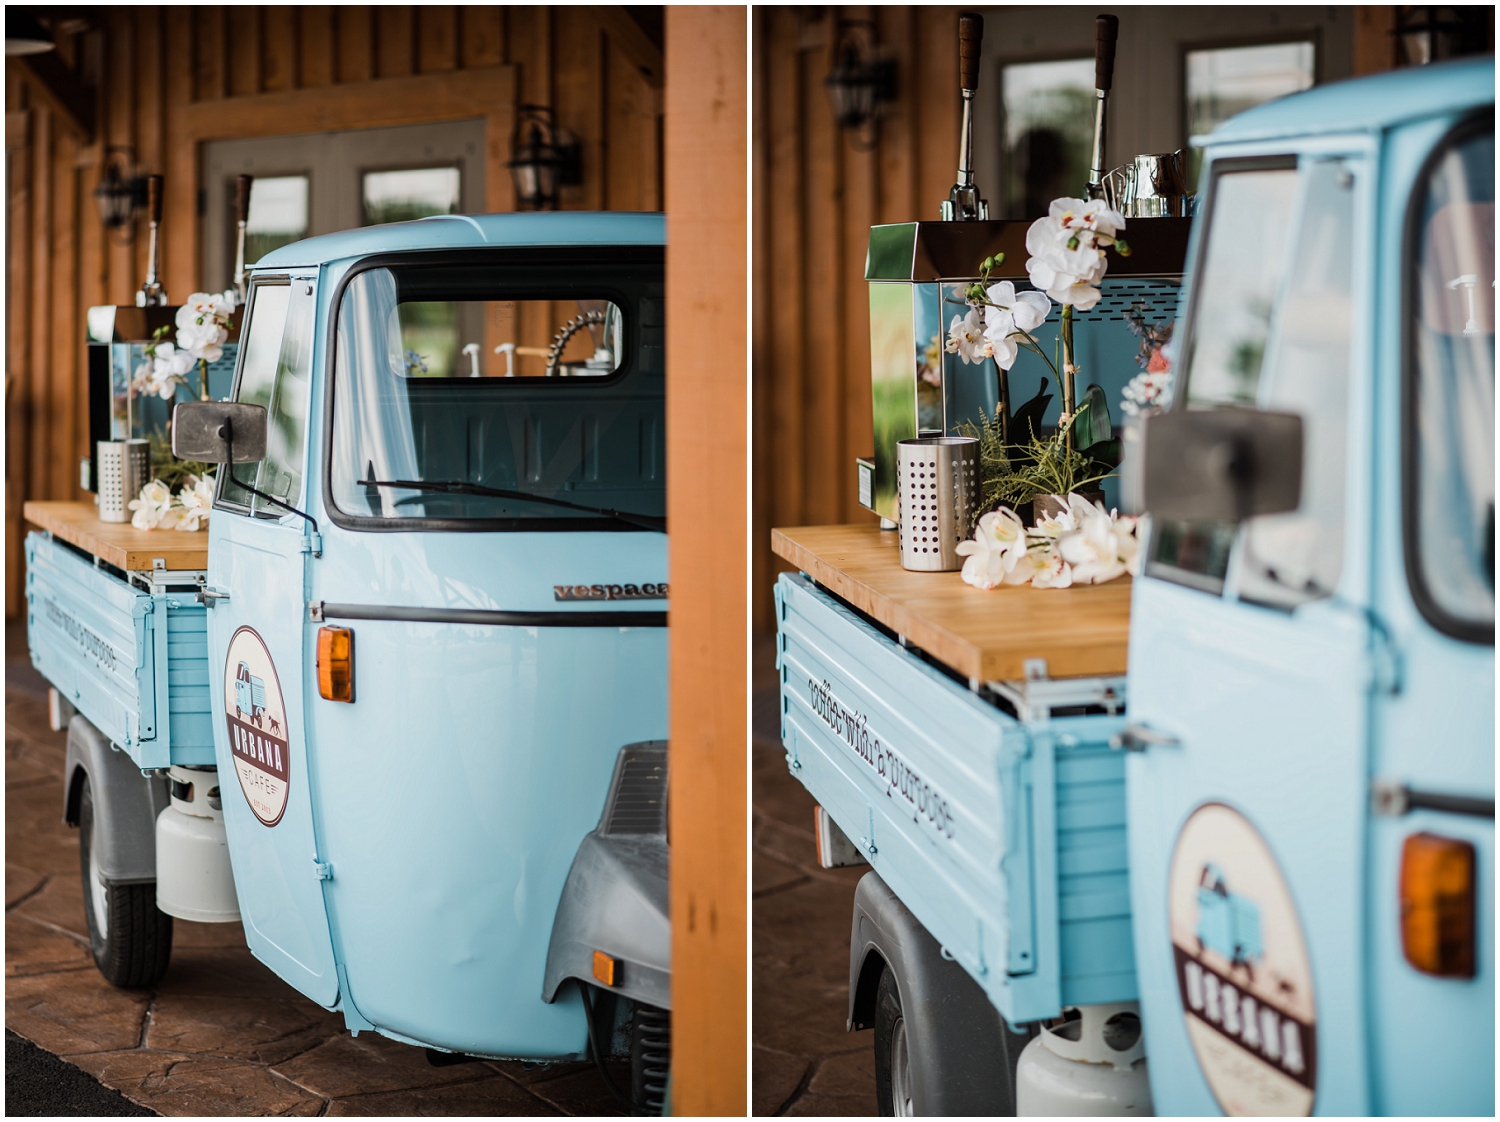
(1005, 840)
(125, 659)
(538, 228)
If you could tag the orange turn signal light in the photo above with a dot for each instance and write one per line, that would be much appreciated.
(336, 663)
(1437, 905)
(604, 968)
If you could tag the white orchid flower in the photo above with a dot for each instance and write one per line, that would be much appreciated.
(1042, 567)
(1102, 548)
(152, 507)
(998, 544)
(196, 499)
(1008, 314)
(1057, 524)
(1067, 249)
(966, 337)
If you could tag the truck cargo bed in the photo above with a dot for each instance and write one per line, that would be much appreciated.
(1005, 838)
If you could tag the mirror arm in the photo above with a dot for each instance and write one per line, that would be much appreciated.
(228, 433)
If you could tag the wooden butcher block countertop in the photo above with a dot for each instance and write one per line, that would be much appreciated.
(120, 543)
(1082, 632)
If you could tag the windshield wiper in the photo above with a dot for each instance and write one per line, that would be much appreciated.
(457, 487)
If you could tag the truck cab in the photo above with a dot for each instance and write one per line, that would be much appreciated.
(1311, 813)
(431, 626)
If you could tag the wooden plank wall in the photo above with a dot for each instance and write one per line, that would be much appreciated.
(815, 197)
(165, 78)
(706, 446)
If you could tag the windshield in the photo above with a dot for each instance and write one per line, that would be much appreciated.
(523, 391)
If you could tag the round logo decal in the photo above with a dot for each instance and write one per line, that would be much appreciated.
(257, 725)
(1242, 967)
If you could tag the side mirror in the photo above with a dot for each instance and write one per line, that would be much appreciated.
(205, 430)
(1221, 465)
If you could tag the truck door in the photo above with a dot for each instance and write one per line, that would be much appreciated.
(1433, 759)
(256, 670)
(1248, 692)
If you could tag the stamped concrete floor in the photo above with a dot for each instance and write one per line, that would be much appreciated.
(804, 1062)
(220, 1034)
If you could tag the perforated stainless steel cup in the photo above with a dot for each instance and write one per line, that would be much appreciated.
(124, 468)
(937, 478)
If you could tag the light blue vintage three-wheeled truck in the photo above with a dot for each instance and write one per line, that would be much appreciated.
(1261, 854)
(419, 688)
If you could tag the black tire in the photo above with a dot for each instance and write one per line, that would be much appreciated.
(892, 1071)
(650, 1057)
(135, 943)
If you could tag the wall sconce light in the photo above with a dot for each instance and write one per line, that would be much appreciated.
(121, 191)
(1429, 33)
(543, 159)
(24, 33)
(860, 81)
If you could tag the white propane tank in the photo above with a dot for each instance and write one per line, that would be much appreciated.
(193, 877)
(1101, 1072)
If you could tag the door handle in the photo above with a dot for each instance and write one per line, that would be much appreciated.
(1137, 738)
(210, 596)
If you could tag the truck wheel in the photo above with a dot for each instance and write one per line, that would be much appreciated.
(650, 1057)
(892, 1066)
(130, 939)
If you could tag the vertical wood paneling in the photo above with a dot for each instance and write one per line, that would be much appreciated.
(395, 41)
(43, 432)
(315, 43)
(20, 141)
(211, 57)
(243, 39)
(481, 35)
(355, 27)
(152, 64)
(631, 110)
(279, 49)
(578, 99)
(437, 38)
(816, 197)
(62, 386)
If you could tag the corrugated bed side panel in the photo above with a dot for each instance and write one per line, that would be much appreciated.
(188, 698)
(87, 633)
(1096, 949)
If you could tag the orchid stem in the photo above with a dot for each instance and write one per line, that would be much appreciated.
(1067, 374)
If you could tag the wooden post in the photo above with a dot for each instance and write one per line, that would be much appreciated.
(706, 101)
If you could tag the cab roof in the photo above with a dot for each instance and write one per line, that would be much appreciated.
(1365, 104)
(451, 231)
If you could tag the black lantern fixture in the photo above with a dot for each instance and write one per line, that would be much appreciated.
(859, 81)
(543, 159)
(1433, 33)
(24, 33)
(121, 192)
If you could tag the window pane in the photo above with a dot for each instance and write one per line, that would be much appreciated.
(1049, 133)
(1250, 220)
(446, 339)
(592, 442)
(1294, 557)
(399, 196)
(1454, 331)
(275, 374)
(1235, 290)
(1223, 82)
(278, 215)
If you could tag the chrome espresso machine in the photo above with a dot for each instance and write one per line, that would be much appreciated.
(918, 272)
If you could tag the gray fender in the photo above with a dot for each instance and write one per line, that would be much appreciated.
(126, 804)
(962, 1056)
(615, 897)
